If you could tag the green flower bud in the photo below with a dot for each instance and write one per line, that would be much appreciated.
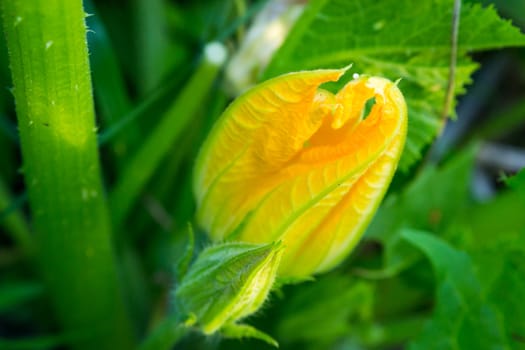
(227, 283)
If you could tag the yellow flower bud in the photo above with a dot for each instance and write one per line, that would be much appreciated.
(289, 161)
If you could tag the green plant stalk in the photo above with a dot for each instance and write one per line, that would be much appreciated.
(142, 165)
(46, 40)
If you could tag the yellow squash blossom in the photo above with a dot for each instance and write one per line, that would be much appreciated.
(291, 162)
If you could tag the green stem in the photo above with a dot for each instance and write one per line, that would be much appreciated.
(141, 167)
(46, 40)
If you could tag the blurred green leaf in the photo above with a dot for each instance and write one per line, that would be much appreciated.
(425, 204)
(508, 289)
(324, 310)
(151, 43)
(206, 20)
(41, 342)
(236, 25)
(396, 39)
(501, 122)
(8, 131)
(110, 90)
(12, 294)
(13, 220)
(462, 319)
(155, 103)
(500, 218)
(500, 264)
(168, 130)
(498, 251)
(517, 182)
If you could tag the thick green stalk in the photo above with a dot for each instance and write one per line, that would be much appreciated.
(46, 40)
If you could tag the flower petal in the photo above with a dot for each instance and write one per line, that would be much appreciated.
(321, 211)
(289, 161)
(259, 133)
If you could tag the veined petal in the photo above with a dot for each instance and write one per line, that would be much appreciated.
(336, 234)
(321, 211)
(298, 164)
(259, 133)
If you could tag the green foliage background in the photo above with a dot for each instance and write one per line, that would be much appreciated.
(442, 266)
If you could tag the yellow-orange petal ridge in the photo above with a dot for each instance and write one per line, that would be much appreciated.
(292, 162)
